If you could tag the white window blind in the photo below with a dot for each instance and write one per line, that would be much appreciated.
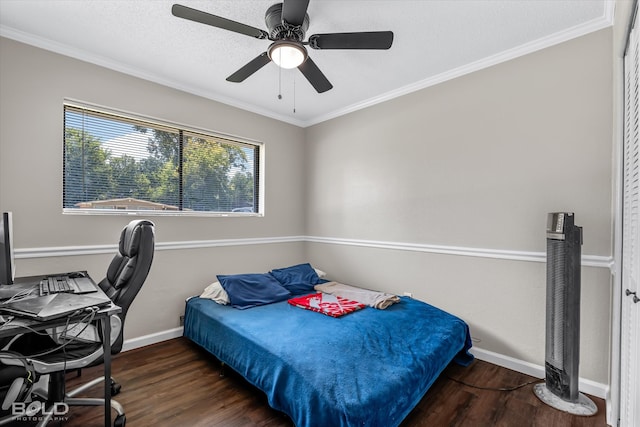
(114, 163)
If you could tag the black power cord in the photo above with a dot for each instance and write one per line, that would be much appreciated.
(516, 387)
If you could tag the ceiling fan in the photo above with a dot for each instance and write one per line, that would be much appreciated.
(287, 23)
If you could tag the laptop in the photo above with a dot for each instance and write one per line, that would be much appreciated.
(52, 306)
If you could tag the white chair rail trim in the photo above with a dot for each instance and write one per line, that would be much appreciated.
(513, 255)
(503, 254)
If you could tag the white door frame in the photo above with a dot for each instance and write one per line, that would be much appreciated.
(625, 372)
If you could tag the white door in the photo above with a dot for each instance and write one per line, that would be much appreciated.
(630, 316)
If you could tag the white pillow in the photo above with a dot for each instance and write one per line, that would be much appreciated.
(320, 273)
(216, 292)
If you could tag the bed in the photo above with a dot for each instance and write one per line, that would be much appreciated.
(367, 368)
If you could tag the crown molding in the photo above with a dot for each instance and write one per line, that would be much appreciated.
(89, 57)
(604, 21)
(560, 37)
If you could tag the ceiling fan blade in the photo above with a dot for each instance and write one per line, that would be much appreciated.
(311, 71)
(363, 40)
(251, 67)
(294, 11)
(217, 21)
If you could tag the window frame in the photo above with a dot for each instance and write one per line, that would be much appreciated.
(182, 129)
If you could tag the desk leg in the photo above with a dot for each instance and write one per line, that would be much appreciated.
(106, 345)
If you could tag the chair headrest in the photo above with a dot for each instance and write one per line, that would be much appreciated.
(130, 237)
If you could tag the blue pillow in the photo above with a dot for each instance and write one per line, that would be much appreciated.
(250, 290)
(298, 279)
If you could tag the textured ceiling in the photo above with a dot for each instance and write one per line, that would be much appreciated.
(433, 41)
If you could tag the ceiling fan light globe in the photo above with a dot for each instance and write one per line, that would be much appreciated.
(287, 55)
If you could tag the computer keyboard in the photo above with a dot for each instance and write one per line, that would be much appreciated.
(54, 285)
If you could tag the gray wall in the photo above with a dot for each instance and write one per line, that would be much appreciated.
(33, 84)
(476, 163)
(473, 163)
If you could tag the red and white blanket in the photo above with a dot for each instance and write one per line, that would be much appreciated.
(328, 304)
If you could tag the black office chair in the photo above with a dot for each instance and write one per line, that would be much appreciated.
(125, 276)
(129, 268)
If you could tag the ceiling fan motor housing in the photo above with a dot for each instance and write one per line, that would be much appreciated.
(279, 29)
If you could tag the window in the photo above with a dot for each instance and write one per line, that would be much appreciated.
(115, 163)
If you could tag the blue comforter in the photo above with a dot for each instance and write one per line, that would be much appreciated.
(367, 368)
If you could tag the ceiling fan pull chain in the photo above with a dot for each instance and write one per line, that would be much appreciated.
(280, 82)
(294, 95)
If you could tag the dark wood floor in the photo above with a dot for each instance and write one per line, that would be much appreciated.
(175, 383)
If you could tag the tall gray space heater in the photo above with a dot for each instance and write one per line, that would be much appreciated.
(562, 345)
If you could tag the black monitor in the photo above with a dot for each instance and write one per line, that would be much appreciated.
(7, 259)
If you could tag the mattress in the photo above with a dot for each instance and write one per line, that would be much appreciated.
(367, 368)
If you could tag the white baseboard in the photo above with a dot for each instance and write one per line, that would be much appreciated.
(586, 386)
(154, 338)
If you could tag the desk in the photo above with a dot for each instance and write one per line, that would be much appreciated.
(19, 326)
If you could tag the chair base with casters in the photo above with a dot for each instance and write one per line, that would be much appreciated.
(115, 386)
(54, 393)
